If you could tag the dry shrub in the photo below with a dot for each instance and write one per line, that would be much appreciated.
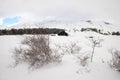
(96, 42)
(83, 59)
(115, 63)
(35, 51)
(72, 48)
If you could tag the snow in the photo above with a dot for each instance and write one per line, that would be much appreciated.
(69, 68)
(63, 24)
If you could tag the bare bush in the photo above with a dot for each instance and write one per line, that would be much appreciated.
(35, 51)
(83, 60)
(115, 63)
(72, 48)
(95, 43)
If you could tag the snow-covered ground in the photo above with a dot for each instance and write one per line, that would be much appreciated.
(69, 68)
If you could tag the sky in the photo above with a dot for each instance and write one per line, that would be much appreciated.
(9, 21)
(36, 10)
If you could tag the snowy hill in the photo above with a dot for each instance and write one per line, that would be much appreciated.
(69, 25)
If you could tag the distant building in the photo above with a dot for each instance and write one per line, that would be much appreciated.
(62, 33)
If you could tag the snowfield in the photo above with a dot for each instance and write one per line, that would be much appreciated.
(69, 68)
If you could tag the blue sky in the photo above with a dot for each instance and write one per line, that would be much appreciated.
(9, 21)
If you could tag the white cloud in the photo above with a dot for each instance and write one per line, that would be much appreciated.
(1, 21)
(75, 9)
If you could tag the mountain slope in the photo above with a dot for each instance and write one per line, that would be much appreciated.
(103, 25)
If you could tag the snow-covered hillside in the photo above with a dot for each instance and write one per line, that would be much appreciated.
(103, 25)
(69, 68)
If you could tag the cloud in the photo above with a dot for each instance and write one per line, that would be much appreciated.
(74, 9)
(1, 21)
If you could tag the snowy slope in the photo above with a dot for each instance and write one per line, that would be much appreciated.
(69, 69)
(103, 25)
